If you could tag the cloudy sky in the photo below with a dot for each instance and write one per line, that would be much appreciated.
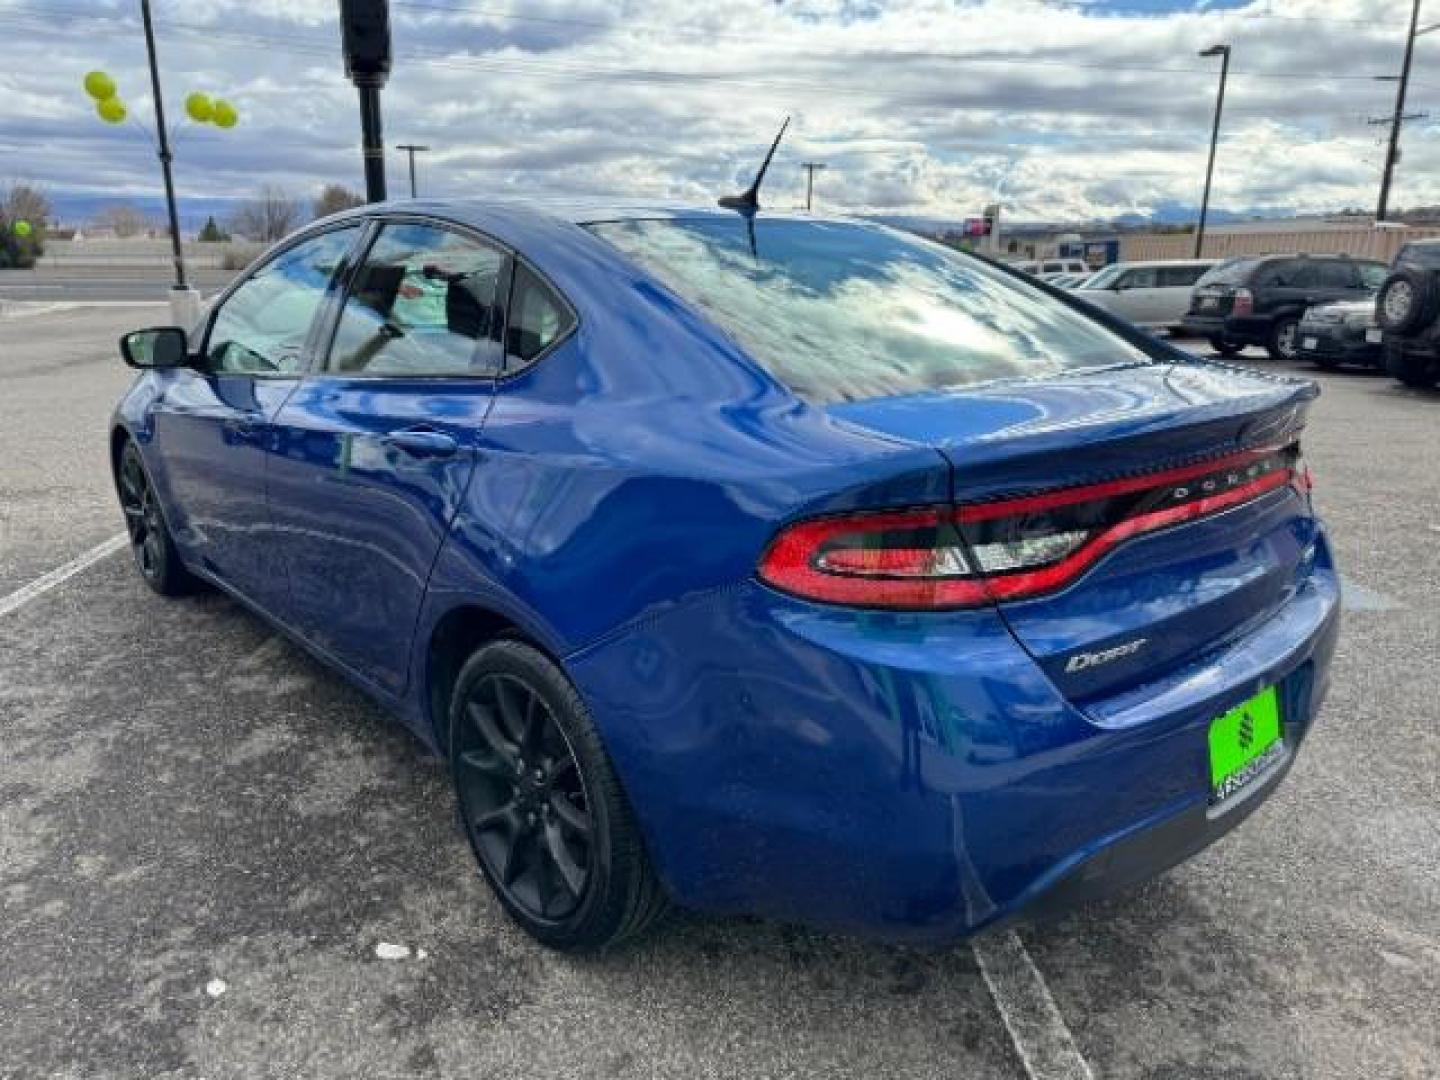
(1078, 109)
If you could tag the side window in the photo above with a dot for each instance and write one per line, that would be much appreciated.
(424, 302)
(262, 326)
(1278, 274)
(538, 319)
(1337, 274)
(1141, 278)
(1303, 275)
(1177, 277)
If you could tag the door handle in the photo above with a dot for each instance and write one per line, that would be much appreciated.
(243, 431)
(422, 442)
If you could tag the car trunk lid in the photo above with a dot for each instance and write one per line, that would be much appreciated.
(1163, 596)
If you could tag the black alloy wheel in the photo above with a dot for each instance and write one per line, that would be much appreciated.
(541, 805)
(524, 802)
(150, 541)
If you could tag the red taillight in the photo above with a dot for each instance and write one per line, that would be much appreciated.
(1243, 303)
(964, 556)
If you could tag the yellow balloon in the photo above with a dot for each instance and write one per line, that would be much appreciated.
(99, 85)
(199, 108)
(223, 114)
(111, 110)
(22, 228)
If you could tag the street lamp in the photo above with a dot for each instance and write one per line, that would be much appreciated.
(1222, 51)
(412, 149)
(200, 108)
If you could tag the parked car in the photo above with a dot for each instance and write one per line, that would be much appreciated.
(1344, 332)
(1155, 295)
(756, 562)
(1406, 310)
(1064, 281)
(1042, 267)
(1258, 300)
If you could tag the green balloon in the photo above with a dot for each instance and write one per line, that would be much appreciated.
(99, 85)
(223, 114)
(111, 110)
(22, 228)
(199, 108)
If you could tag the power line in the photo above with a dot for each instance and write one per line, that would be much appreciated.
(210, 32)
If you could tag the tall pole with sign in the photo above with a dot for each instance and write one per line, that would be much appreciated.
(365, 38)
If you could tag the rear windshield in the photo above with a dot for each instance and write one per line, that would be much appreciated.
(1230, 272)
(843, 311)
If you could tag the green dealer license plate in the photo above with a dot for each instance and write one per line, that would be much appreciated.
(1244, 743)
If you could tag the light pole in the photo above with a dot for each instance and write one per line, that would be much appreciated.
(1392, 152)
(810, 167)
(412, 149)
(200, 108)
(1222, 51)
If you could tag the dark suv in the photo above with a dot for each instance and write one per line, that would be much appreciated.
(1406, 310)
(1258, 300)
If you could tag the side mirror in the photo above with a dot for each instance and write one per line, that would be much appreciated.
(158, 347)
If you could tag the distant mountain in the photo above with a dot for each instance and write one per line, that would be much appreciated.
(82, 210)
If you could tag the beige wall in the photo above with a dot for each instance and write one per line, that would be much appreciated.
(1363, 241)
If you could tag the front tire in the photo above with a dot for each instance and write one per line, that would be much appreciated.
(1284, 343)
(1414, 371)
(542, 807)
(151, 544)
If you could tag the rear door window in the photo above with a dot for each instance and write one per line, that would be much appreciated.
(1143, 277)
(1174, 277)
(843, 311)
(424, 303)
(1337, 274)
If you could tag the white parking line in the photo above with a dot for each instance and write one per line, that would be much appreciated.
(45, 582)
(1036, 1027)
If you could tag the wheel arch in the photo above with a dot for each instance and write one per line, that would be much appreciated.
(453, 638)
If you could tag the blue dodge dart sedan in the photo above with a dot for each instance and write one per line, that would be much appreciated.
(750, 562)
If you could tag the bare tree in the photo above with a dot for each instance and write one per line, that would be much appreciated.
(124, 219)
(26, 202)
(267, 217)
(336, 197)
(24, 214)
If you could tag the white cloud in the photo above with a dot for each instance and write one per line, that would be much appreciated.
(920, 106)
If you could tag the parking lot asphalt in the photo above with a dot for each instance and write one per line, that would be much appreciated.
(205, 836)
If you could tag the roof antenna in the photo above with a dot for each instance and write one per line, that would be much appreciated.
(748, 201)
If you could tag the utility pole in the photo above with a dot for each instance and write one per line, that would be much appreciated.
(412, 149)
(162, 139)
(365, 40)
(1222, 51)
(810, 168)
(1392, 152)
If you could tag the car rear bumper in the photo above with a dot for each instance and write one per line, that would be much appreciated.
(1340, 344)
(1236, 331)
(918, 777)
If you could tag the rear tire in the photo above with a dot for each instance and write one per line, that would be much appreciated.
(151, 544)
(1223, 347)
(1325, 363)
(1414, 371)
(1284, 338)
(540, 802)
